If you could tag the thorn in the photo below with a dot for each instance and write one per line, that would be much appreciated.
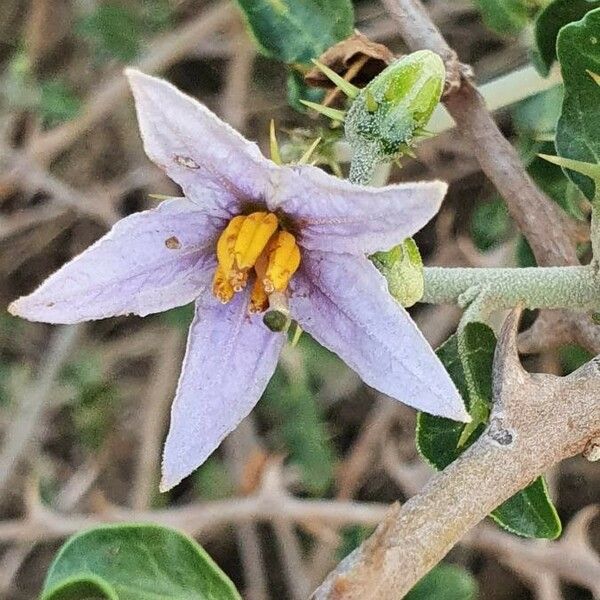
(423, 133)
(332, 113)
(506, 357)
(274, 144)
(547, 136)
(306, 156)
(594, 76)
(349, 89)
(296, 337)
(589, 169)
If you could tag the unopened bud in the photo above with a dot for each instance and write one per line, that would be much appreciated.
(393, 109)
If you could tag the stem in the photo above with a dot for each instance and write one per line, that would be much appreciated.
(534, 287)
(363, 166)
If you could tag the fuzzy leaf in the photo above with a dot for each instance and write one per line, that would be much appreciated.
(294, 31)
(578, 132)
(529, 513)
(135, 562)
(550, 21)
(297, 91)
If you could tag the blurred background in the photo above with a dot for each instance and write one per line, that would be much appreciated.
(84, 410)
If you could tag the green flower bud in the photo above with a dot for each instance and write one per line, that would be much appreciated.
(393, 109)
(403, 268)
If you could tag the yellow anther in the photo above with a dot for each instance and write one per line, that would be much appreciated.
(252, 238)
(226, 244)
(259, 300)
(222, 289)
(283, 261)
(252, 246)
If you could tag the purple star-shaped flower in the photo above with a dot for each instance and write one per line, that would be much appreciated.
(167, 257)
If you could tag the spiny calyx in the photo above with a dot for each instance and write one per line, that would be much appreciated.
(255, 245)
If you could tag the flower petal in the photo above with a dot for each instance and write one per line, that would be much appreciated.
(230, 358)
(343, 302)
(337, 216)
(215, 166)
(148, 262)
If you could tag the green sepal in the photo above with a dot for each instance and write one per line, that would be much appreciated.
(345, 86)
(402, 267)
(333, 113)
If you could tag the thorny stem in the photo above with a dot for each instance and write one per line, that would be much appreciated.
(537, 420)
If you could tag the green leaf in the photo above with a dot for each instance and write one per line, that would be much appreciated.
(180, 317)
(529, 513)
(537, 116)
(578, 132)
(535, 120)
(352, 537)
(135, 562)
(438, 438)
(445, 582)
(524, 253)
(93, 400)
(294, 31)
(550, 21)
(553, 181)
(505, 16)
(298, 91)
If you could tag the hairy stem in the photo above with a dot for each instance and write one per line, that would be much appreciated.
(534, 287)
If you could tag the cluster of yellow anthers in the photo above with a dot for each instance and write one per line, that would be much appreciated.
(255, 243)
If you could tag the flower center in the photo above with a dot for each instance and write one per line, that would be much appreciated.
(255, 245)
